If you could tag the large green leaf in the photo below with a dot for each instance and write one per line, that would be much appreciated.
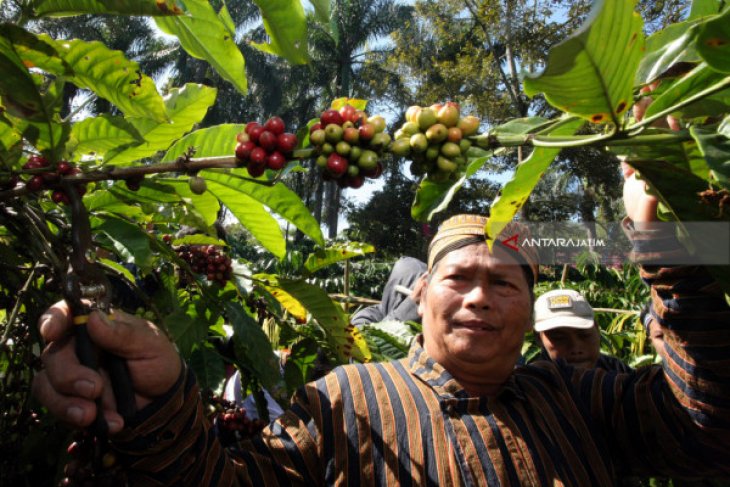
(205, 36)
(252, 346)
(219, 140)
(286, 25)
(108, 202)
(703, 8)
(205, 204)
(9, 137)
(97, 135)
(342, 336)
(713, 42)
(18, 90)
(321, 258)
(109, 74)
(251, 213)
(591, 74)
(129, 240)
(186, 328)
(58, 8)
(715, 148)
(185, 106)
(208, 366)
(697, 80)
(515, 192)
(665, 48)
(278, 198)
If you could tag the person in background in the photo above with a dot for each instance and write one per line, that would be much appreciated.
(566, 330)
(396, 303)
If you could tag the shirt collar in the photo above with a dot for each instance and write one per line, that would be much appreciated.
(441, 381)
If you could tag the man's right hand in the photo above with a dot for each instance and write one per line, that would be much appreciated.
(69, 389)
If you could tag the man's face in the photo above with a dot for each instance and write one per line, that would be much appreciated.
(476, 309)
(580, 348)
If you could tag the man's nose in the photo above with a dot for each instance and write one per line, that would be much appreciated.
(478, 296)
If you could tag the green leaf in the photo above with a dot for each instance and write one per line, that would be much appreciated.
(109, 203)
(321, 258)
(697, 80)
(715, 148)
(519, 126)
(685, 155)
(286, 25)
(672, 45)
(434, 196)
(344, 338)
(278, 198)
(97, 135)
(252, 346)
(129, 240)
(186, 106)
(205, 204)
(713, 42)
(119, 269)
(9, 137)
(59, 8)
(208, 366)
(704, 8)
(186, 329)
(356, 103)
(515, 192)
(302, 359)
(205, 36)
(251, 213)
(18, 89)
(591, 74)
(219, 140)
(321, 11)
(270, 282)
(110, 75)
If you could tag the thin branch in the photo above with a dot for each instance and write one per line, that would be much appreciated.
(16, 307)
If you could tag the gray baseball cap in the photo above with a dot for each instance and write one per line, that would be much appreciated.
(562, 308)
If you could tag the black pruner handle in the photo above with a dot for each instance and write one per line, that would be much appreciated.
(121, 384)
(87, 356)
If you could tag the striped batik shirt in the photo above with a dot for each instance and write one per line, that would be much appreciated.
(409, 422)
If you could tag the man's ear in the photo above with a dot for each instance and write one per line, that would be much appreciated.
(419, 292)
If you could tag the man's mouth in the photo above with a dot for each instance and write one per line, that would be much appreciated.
(476, 326)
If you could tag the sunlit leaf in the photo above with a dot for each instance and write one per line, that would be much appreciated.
(321, 10)
(517, 190)
(19, 92)
(356, 103)
(323, 257)
(219, 140)
(664, 49)
(99, 134)
(699, 79)
(343, 337)
(704, 8)
(185, 106)
(129, 240)
(58, 8)
(110, 75)
(206, 204)
(278, 198)
(286, 25)
(270, 282)
(591, 74)
(205, 36)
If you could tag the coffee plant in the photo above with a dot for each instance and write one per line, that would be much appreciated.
(126, 179)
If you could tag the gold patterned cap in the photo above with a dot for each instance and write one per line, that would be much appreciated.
(462, 230)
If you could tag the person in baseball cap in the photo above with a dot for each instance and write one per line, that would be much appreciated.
(565, 329)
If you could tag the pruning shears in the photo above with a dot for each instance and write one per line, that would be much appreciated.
(86, 288)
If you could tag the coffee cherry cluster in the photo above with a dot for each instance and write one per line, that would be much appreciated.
(44, 176)
(435, 139)
(91, 464)
(349, 145)
(231, 421)
(207, 259)
(264, 146)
